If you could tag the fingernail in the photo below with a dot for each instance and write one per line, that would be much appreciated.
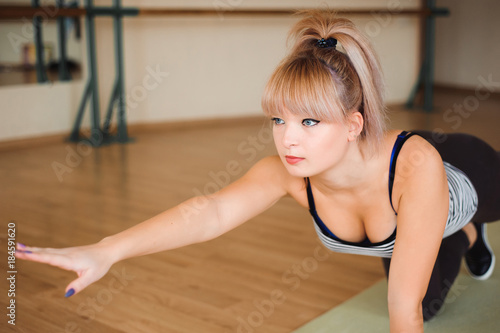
(22, 251)
(21, 245)
(70, 292)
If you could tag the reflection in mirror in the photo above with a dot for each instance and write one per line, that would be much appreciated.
(18, 52)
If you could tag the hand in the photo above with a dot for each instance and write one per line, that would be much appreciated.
(87, 261)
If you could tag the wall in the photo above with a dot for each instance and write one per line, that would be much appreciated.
(468, 43)
(209, 66)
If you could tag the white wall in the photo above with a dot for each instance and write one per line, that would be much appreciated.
(468, 43)
(217, 65)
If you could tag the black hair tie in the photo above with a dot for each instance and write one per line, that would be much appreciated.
(326, 43)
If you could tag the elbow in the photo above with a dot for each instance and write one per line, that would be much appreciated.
(404, 301)
(405, 313)
(404, 305)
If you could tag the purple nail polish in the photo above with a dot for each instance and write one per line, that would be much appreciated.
(22, 246)
(70, 292)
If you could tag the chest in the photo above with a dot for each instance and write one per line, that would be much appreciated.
(351, 217)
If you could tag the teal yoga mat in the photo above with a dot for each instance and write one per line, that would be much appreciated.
(471, 306)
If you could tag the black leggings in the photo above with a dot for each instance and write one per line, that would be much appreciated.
(481, 163)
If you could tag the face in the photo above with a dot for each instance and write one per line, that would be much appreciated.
(308, 147)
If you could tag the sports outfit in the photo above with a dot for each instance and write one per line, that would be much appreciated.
(473, 172)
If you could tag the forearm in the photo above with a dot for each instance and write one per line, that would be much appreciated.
(193, 221)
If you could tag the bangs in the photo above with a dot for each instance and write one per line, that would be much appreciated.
(304, 87)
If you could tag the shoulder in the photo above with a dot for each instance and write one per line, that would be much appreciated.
(418, 157)
(419, 172)
(415, 156)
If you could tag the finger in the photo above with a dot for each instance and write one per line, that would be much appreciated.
(69, 292)
(82, 282)
(52, 259)
(22, 247)
(22, 254)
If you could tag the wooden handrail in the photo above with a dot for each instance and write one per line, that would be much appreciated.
(162, 12)
(46, 12)
(52, 12)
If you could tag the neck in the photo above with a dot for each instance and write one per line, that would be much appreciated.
(354, 173)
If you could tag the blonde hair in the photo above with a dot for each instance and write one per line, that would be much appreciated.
(325, 83)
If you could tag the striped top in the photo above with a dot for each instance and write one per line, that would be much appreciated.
(462, 207)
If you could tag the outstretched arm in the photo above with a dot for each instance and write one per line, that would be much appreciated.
(195, 220)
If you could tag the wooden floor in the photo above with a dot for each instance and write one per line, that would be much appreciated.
(269, 275)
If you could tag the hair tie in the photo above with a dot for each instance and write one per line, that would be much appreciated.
(326, 43)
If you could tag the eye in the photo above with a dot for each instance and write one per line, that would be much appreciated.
(277, 121)
(310, 122)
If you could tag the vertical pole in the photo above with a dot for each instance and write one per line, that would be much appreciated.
(430, 23)
(413, 94)
(41, 75)
(92, 70)
(118, 27)
(61, 36)
(91, 89)
(75, 133)
(109, 113)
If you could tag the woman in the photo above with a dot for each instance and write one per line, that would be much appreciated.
(336, 159)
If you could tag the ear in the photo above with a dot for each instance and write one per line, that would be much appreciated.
(355, 125)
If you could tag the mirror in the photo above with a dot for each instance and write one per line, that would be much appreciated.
(18, 51)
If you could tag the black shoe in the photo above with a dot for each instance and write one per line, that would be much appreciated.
(479, 259)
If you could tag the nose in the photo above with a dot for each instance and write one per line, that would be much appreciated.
(291, 136)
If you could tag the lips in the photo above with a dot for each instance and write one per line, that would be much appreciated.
(293, 159)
